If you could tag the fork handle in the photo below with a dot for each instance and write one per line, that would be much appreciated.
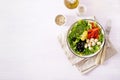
(98, 57)
(103, 55)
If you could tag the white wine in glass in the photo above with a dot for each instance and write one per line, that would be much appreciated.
(71, 4)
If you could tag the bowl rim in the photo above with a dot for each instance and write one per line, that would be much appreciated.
(101, 47)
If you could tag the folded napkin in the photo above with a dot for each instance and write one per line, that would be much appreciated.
(84, 65)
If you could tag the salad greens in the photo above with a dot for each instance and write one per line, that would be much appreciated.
(81, 29)
(77, 29)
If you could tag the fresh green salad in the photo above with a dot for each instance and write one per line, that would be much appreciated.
(85, 37)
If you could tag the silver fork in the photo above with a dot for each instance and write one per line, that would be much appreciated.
(107, 44)
(101, 56)
(107, 31)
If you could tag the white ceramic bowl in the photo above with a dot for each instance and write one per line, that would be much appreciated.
(93, 54)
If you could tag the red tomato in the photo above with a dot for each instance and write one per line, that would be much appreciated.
(93, 25)
(93, 33)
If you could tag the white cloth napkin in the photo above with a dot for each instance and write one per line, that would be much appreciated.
(84, 65)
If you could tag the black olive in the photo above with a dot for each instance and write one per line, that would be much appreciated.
(80, 46)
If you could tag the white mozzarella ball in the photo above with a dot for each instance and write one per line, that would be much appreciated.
(96, 40)
(87, 40)
(90, 48)
(98, 43)
(89, 44)
(86, 45)
(93, 43)
(92, 40)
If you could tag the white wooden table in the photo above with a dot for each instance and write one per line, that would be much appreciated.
(29, 49)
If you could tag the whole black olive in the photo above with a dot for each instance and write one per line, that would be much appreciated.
(80, 46)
